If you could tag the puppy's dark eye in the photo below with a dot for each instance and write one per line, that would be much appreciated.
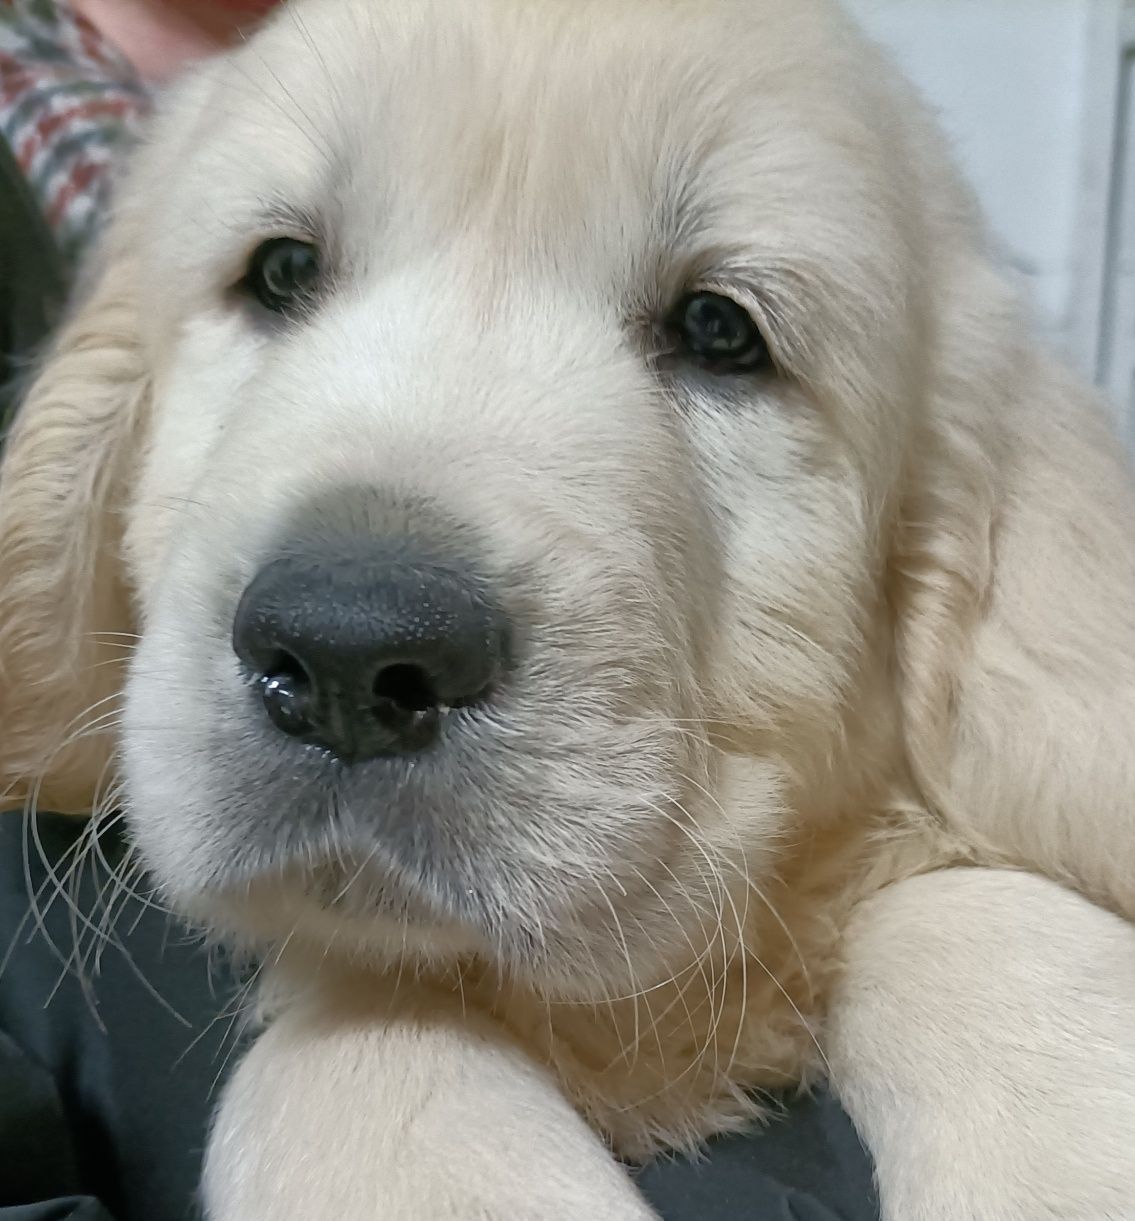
(719, 333)
(282, 273)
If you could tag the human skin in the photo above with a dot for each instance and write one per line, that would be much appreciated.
(160, 37)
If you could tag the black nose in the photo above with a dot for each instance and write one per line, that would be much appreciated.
(366, 652)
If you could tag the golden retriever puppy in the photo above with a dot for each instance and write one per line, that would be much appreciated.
(626, 615)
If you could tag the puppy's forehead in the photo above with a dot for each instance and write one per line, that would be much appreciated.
(427, 117)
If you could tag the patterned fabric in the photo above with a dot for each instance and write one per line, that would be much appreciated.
(69, 102)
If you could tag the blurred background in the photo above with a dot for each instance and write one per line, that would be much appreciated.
(1038, 98)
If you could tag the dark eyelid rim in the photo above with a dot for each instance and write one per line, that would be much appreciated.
(732, 273)
(241, 294)
(737, 291)
(278, 220)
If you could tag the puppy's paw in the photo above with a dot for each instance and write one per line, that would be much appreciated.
(408, 1114)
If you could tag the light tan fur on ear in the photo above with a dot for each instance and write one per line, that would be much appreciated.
(1015, 595)
(63, 610)
(65, 617)
(943, 564)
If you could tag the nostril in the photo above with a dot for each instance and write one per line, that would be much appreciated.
(407, 686)
(288, 696)
(285, 664)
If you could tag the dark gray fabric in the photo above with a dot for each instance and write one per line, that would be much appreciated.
(116, 1084)
(74, 1209)
(31, 281)
(105, 1093)
(808, 1165)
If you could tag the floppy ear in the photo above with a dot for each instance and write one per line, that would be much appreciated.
(1014, 581)
(943, 561)
(64, 611)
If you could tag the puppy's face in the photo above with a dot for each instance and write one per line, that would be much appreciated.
(531, 380)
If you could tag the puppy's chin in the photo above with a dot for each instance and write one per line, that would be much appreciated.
(297, 930)
(311, 919)
(494, 847)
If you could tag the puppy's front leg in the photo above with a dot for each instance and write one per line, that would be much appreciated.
(983, 1041)
(350, 1108)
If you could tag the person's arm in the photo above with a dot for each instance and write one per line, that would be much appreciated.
(160, 37)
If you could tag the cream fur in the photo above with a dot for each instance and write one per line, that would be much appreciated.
(801, 646)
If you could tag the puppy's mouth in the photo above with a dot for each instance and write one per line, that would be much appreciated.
(394, 741)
